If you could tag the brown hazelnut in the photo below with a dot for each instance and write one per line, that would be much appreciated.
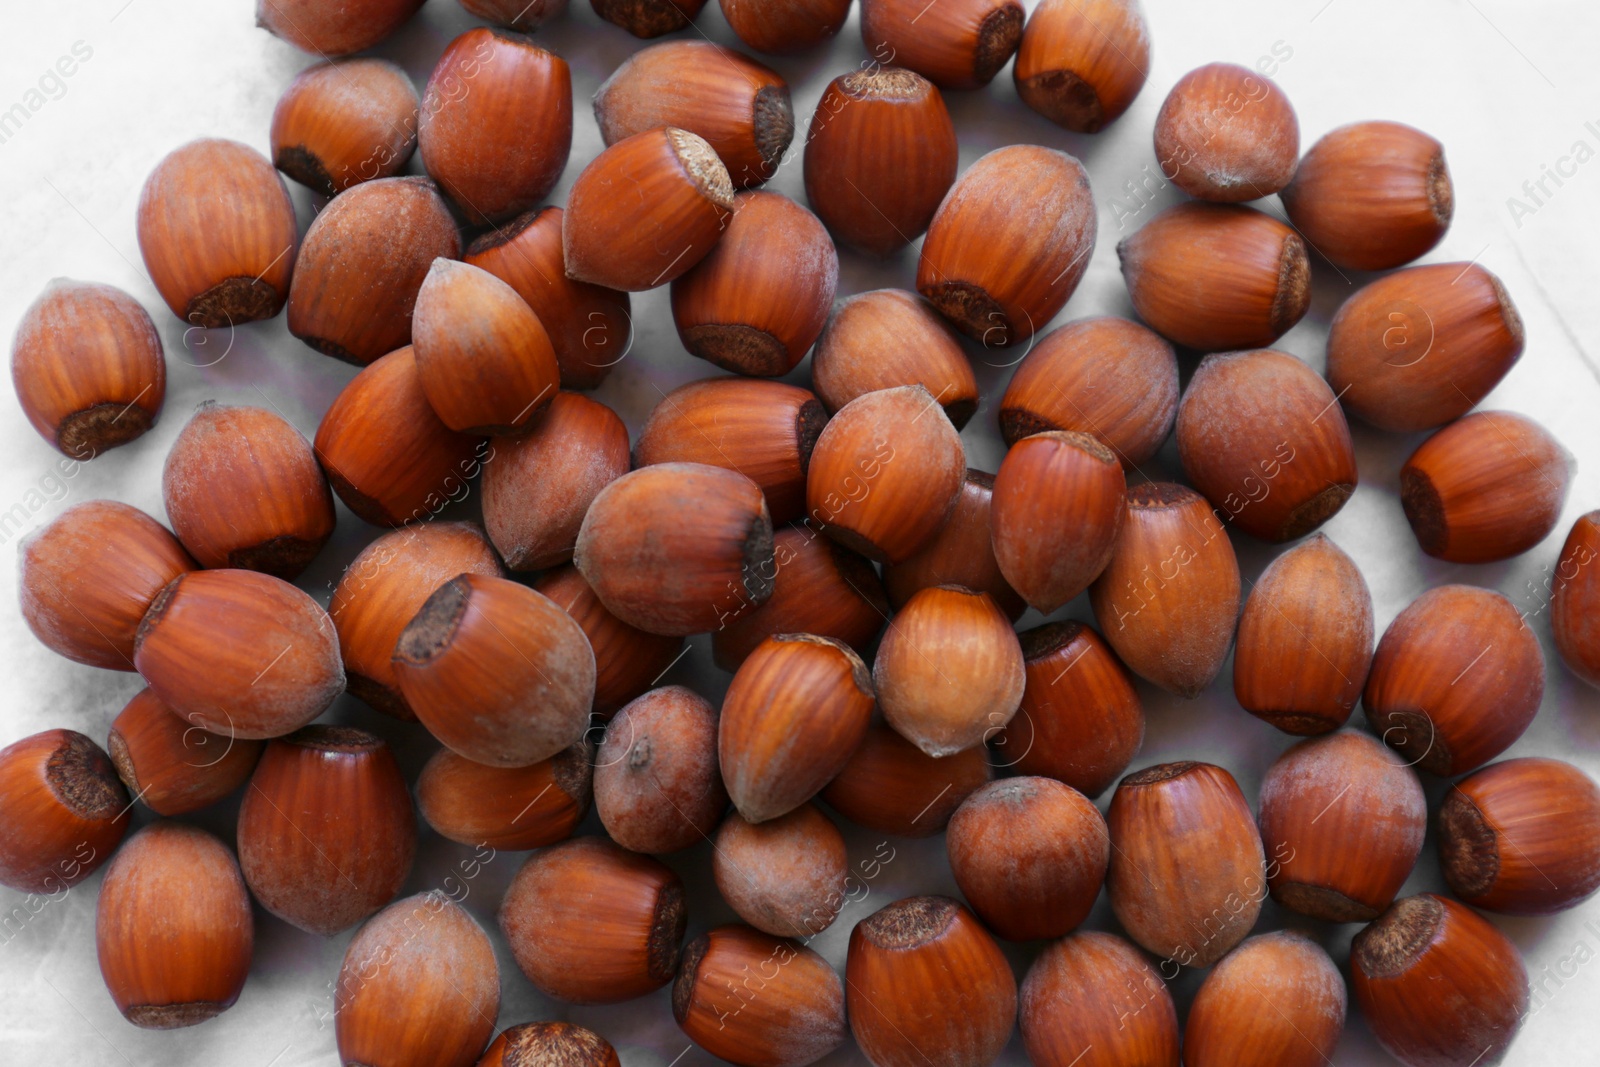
(353, 26)
(893, 787)
(786, 875)
(510, 809)
(524, 16)
(1275, 1001)
(539, 1044)
(1226, 133)
(785, 27)
(627, 660)
(890, 337)
(1092, 1000)
(656, 782)
(88, 367)
(66, 812)
(175, 768)
(344, 122)
(961, 553)
(648, 18)
(1081, 65)
(1575, 600)
(958, 45)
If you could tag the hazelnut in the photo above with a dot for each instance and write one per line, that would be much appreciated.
(1009, 243)
(648, 18)
(1438, 984)
(381, 591)
(727, 1002)
(1187, 874)
(243, 489)
(326, 831)
(879, 157)
(923, 974)
(1455, 634)
(1226, 133)
(1169, 599)
(173, 928)
(1044, 478)
(1029, 855)
(496, 671)
(1485, 488)
(539, 485)
(755, 303)
(1575, 600)
(793, 714)
(1103, 376)
(819, 587)
(786, 876)
(352, 26)
(673, 548)
(496, 123)
(1372, 195)
(483, 359)
(363, 260)
(1275, 1001)
(88, 367)
(886, 338)
(679, 197)
(239, 653)
(525, 17)
(1522, 837)
(764, 430)
(885, 473)
(1091, 1000)
(66, 811)
(419, 987)
(386, 453)
(1261, 435)
(949, 670)
(957, 45)
(785, 27)
(510, 809)
(1305, 640)
(1343, 819)
(539, 1044)
(589, 326)
(1217, 276)
(175, 768)
(590, 923)
(89, 577)
(656, 783)
(627, 660)
(1422, 346)
(961, 553)
(893, 787)
(344, 122)
(739, 106)
(1081, 65)
(1081, 721)
(217, 232)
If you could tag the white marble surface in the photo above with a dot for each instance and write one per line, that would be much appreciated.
(1507, 85)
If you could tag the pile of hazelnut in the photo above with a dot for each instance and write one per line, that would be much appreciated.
(809, 532)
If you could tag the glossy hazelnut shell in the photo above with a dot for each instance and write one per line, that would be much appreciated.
(1081, 720)
(890, 337)
(1575, 600)
(590, 923)
(66, 812)
(960, 45)
(1275, 1000)
(1217, 276)
(218, 234)
(627, 660)
(314, 27)
(173, 928)
(326, 830)
(1485, 488)
(739, 106)
(1081, 65)
(87, 579)
(675, 547)
(88, 368)
(1104, 376)
(1262, 436)
(1454, 634)
(343, 123)
(786, 27)
(796, 710)
(961, 553)
(1343, 819)
(1093, 1000)
(879, 157)
(1420, 347)
(173, 767)
(243, 489)
(510, 809)
(1187, 873)
(1305, 640)
(239, 653)
(892, 786)
(361, 264)
(1009, 244)
(541, 483)
(1169, 599)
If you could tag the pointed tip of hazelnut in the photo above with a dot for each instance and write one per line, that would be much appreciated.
(232, 302)
(434, 626)
(1468, 848)
(84, 779)
(909, 923)
(774, 124)
(1065, 99)
(1161, 772)
(1441, 192)
(173, 1016)
(1398, 936)
(701, 162)
(998, 36)
(1293, 297)
(683, 986)
(666, 932)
